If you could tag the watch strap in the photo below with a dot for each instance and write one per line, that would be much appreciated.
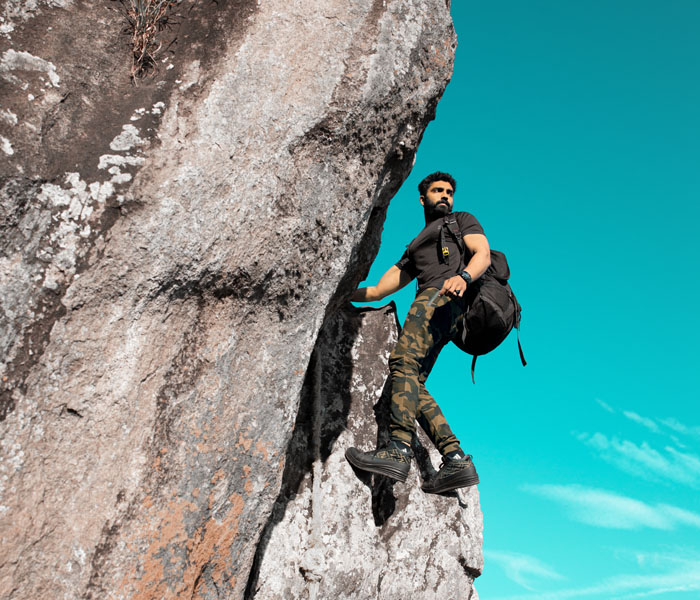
(466, 276)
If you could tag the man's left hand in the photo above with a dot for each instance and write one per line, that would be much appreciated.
(454, 286)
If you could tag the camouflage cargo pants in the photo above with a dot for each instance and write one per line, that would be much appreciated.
(428, 327)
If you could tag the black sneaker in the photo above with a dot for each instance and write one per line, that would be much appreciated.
(393, 461)
(454, 473)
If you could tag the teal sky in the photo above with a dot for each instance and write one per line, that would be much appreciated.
(573, 130)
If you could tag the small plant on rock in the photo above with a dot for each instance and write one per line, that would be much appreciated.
(147, 18)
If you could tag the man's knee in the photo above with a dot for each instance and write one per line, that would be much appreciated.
(404, 364)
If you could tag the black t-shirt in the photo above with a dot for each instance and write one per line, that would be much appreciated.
(422, 256)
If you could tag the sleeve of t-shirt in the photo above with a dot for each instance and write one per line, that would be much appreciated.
(406, 264)
(468, 223)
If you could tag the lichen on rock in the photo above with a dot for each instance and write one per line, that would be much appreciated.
(169, 253)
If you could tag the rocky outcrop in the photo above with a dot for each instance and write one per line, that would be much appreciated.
(335, 534)
(168, 253)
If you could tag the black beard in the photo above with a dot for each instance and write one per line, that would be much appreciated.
(436, 211)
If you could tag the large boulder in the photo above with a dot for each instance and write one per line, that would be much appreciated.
(169, 249)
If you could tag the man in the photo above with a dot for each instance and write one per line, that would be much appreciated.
(443, 279)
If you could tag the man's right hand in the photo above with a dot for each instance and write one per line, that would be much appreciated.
(392, 281)
(454, 286)
(360, 295)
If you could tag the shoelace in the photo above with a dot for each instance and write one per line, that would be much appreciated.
(454, 461)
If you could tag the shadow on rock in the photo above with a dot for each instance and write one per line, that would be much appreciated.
(322, 416)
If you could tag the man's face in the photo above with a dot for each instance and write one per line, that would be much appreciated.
(438, 198)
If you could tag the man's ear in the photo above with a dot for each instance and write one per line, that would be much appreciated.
(422, 200)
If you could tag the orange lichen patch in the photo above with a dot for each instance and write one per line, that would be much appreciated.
(244, 443)
(200, 591)
(214, 547)
(203, 448)
(439, 58)
(218, 476)
(195, 493)
(262, 449)
(158, 461)
(228, 534)
(166, 530)
(248, 485)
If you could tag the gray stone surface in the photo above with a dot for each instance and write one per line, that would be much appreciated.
(168, 253)
(337, 533)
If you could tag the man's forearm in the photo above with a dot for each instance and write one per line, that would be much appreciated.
(478, 264)
(392, 281)
(365, 294)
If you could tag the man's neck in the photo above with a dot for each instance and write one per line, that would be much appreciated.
(430, 218)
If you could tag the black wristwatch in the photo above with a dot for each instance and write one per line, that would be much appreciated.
(467, 277)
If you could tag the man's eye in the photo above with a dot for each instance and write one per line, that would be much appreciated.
(440, 190)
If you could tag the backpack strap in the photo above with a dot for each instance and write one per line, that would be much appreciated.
(517, 328)
(453, 227)
(450, 223)
(443, 251)
(520, 348)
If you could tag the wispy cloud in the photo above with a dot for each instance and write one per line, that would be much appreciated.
(656, 425)
(681, 515)
(522, 568)
(690, 462)
(650, 424)
(645, 461)
(605, 406)
(678, 427)
(602, 508)
(680, 576)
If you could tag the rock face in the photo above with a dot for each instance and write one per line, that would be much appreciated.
(335, 534)
(168, 254)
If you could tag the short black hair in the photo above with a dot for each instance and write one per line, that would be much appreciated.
(437, 176)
